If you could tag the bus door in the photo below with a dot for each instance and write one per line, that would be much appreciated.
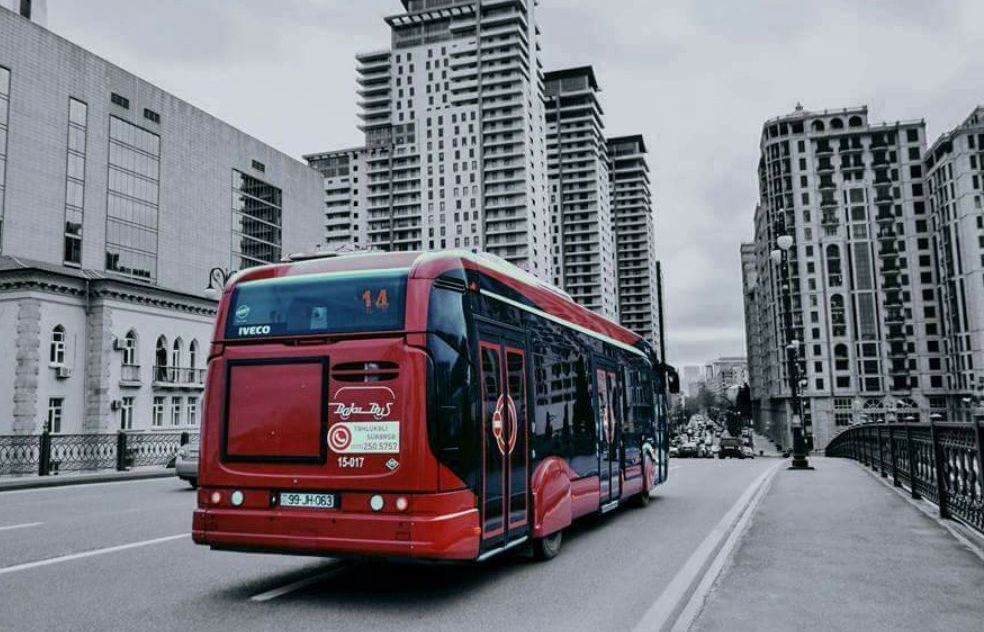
(505, 438)
(609, 428)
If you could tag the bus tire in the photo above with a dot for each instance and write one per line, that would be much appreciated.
(548, 547)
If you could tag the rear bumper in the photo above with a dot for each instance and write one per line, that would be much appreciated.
(446, 536)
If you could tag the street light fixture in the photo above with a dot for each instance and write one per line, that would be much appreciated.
(217, 279)
(781, 257)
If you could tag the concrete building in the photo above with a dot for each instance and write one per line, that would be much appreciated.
(635, 237)
(954, 172)
(117, 199)
(34, 10)
(865, 321)
(726, 373)
(455, 132)
(345, 200)
(583, 231)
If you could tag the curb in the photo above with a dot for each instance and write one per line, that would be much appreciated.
(84, 479)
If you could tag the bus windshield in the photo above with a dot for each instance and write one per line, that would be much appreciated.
(336, 302)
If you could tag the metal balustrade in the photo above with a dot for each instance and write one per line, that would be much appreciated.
(47, 453)
(943, 462)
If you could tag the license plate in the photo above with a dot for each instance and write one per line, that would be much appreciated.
(304, 499)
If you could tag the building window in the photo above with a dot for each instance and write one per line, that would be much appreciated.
(4, 110)
(192, 411)
(119, 100)
(259, 166)
(157, 418)
(55, 414)
(193, 355)
(126, 414)
(256, 221)
(56, 353)
(25, 8)
(176, 352)
(130, 348)
(151, 115)
(132, 200)
(176, 406)
(75, 181)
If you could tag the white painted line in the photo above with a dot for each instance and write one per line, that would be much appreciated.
(84, 554)
(71, 486)
(667, 608)
(674, 467)
(696, 603)
(299, 584)
(20, 526)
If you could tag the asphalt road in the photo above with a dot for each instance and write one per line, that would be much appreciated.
(118, 556)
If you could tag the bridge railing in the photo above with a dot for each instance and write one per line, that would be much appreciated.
(943, 462)
(46, 453)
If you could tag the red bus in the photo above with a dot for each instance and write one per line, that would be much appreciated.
(443, 406)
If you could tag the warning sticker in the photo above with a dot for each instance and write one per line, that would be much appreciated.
(368, 437)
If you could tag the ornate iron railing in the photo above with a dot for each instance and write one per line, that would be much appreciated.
(48, 453)
(941, 461)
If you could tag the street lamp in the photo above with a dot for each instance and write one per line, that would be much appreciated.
(781, 257)
(217, 279)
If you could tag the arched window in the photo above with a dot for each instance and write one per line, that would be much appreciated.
(855, 121)
(842, 361)
(57, 350)
(817, 126)
(834, 276)
(837, 317)
(160, 360)
(130, 348)
(193, 355)
(176, 352)
(836, 123)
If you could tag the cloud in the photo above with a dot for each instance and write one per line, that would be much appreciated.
(697, 78)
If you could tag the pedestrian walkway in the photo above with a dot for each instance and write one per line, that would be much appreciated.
(8, 483)
(836, 549)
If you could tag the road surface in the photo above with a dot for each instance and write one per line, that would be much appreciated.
(118, 556)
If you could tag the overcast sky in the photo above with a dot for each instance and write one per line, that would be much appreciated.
(696, 78)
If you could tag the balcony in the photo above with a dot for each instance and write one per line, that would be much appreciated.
(179, 377)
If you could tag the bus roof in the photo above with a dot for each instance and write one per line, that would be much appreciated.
(428, 265)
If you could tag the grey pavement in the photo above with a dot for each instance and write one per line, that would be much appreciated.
(610, 571)
(835, 549)
(83, 478)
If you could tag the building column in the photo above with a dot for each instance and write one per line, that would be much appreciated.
(99, 349)
(27, 367)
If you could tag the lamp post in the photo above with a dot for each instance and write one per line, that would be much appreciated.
(781, 256)
(217, 279)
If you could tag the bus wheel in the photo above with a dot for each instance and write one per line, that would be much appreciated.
(548, 547)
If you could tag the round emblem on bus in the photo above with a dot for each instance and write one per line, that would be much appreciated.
(242, 312)
(504, 406)
(339, 437)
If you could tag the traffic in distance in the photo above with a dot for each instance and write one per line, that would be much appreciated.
(444, 406)
(704, 438)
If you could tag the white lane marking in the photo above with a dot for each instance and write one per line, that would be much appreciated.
(671, 602)
(299, 584)
(84, 554)
(20, 526)
(674, 467)
(696, 602)
(70, 486)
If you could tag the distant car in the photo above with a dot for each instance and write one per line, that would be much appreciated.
(715, 449)
(674, 451)
(688, 449)
(186, 462)
(730, 447)
(747, 452)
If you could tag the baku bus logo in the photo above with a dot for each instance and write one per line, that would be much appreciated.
(353, 402)
(505, 405)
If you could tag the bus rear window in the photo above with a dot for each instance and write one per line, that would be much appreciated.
(337, 302)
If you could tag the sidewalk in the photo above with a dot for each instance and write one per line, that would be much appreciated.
(8, 483)
(835, 549)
